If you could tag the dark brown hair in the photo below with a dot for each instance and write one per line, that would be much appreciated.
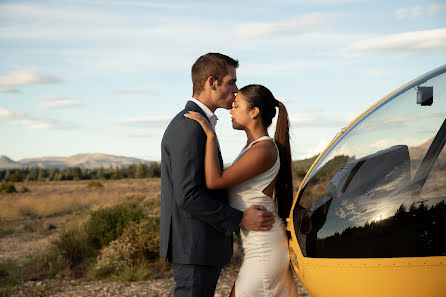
(262, 98)
(211, 64)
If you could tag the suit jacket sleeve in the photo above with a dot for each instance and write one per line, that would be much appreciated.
(191, 194)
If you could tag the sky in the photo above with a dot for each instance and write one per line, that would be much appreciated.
(106, 76)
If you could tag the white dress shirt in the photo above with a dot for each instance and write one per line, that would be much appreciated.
(211, 116)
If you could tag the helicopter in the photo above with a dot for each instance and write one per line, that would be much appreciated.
(369, 218)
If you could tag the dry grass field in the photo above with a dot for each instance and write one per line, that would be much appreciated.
(31, 221)
(49, 199)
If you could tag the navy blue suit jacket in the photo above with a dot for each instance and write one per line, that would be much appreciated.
(196, 223)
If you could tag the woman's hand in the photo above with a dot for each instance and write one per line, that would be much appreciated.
(202, 121)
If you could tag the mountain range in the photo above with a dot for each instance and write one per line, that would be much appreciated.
(79, 160)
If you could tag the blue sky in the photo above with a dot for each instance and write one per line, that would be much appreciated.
(106, 76)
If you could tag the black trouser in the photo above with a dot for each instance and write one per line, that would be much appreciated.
(195, 280)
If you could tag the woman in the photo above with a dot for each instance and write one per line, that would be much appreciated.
(264, 165)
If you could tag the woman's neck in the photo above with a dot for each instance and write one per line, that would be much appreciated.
(254, 134)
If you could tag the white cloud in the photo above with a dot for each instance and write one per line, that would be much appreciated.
(402, 13)
(420, 11)
(403, 42)
(436, 8)
(23, 78)
(300, 25)
(4, 113)
(4, 89)
(74, 23)
(149, 4)
(144, 121)
(141, 135)
(58, 103)
(31, 122)
(285, 100)
(305, 119)
(280, 67)
(134, 92)
(45, 13)
(417, 11)
(36, 123)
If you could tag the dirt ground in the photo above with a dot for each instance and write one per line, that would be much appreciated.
(32, 229)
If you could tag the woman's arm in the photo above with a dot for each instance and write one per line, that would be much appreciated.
(212, 167)
(260, 157)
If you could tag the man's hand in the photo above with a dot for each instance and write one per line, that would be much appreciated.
(257, 218)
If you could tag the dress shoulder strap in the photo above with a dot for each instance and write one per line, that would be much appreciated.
(259, 139)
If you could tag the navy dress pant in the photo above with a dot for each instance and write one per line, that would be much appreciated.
(195, 280)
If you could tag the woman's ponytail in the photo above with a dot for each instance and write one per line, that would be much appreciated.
(284, 182)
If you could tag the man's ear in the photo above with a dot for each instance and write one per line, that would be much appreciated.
(211, 82)
(255, 113)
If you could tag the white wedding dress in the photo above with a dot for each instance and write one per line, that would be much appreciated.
(265, 269)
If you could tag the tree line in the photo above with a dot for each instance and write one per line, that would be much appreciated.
(140, 170)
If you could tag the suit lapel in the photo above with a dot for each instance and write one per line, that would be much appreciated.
(192, 106)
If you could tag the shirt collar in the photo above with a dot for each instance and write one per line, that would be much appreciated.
(206, 109)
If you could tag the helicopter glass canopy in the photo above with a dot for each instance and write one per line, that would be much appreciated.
(380, 191)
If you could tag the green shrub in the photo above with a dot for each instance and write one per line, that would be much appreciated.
(5, 230)
(108, 224)
(30, 226)
(7, 188)
(134, 255)
(74, 248)
(95, 185)
(113, 258)
(145, 237)
(10, 275)
(46, 264)
(133, 273)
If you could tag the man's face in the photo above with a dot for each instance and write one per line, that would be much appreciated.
(225, 90)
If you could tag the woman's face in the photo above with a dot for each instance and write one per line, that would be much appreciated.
(240, 112)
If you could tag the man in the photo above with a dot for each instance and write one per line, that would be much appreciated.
(197, 224)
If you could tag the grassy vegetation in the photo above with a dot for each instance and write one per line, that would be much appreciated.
(105, 229)
(48, 199)
(112, 233)
(7, 188)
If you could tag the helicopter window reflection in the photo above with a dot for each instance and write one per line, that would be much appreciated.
(381, 191)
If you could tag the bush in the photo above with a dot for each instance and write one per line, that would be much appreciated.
(134, 255)
(10, 275)
(114, 258)
(74, 248)
(7, 188)
(95, 185)
(145, 237)
(108, 224)
(46, 264)
(133, 273)
(25, 190)
(5, 230)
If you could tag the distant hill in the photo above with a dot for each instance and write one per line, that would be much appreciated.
(6, 163)
(80, 160)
